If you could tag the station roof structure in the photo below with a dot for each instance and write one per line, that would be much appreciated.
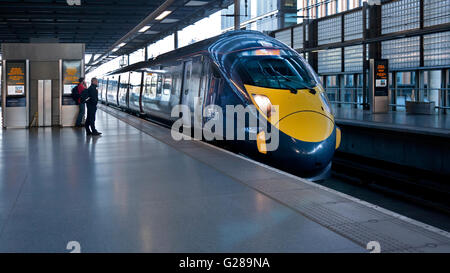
(108, 27)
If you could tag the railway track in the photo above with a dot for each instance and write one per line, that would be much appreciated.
(413, 185)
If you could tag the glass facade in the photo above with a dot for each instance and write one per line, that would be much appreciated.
(298, 37)
(352, 26)
(329, 31)
(228, 21)
(284, 36)
(400, 15)
(255, 8)
(437, 49)
(342, 68)
(402, 53)
(353, 56)
(330, 61)
(436, 12)
(263, 15)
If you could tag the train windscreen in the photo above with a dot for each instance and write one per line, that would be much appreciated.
(271, 69)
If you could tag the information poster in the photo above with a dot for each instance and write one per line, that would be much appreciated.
(15, 78)
(381, 78)
(71, 74)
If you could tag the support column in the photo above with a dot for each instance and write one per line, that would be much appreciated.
(394, 90)
(237, 14)
(434, 85)
(312, 43)
(341, 91)
(373, 31)
(365, 90)
(355, 91)
(175, 39)
(145, 53)
(421, 85)
(444, 91)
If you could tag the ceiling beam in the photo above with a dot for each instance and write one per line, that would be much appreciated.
(142, 24)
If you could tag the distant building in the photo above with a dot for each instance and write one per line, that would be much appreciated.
(268, 15)
(262, 15)
(320, 8)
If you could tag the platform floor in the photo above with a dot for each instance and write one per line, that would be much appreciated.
(395, 120)
(136, 190)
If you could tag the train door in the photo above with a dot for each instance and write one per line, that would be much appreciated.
(117, 90)
(215, 85)
(202, 90)
(141, 92)
(187, 75)
(105, 90)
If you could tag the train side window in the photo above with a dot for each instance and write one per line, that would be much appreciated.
(167, 86)
(159, 84)
(148, 85)
(187, 77)
(153, 86)
(174, 84)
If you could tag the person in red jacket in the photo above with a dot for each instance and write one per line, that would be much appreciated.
(82, 106)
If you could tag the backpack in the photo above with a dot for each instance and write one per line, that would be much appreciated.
(84, 96)
(75, 95)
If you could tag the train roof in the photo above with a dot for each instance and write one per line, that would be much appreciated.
(218, 45)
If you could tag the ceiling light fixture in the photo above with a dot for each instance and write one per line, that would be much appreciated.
(195, 3)
(144, 29)
(163, 15)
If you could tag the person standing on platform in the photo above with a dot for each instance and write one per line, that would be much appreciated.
(91, 98)
(81, 87)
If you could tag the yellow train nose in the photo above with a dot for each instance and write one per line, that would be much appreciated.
(308, 126)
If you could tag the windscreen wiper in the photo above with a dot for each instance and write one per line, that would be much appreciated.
(292, 88)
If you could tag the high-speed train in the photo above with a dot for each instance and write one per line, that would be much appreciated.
(238, 68)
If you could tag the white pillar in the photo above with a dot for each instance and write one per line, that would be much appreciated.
(434, 83)
(420, 92)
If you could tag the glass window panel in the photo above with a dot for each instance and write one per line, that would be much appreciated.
(400, 16)
(329, 31)
(437, 49)
(298, 37)
(330, 61)
(353, 26)
(353, 56)
(284, 36)
(402, 53)
(436, 12)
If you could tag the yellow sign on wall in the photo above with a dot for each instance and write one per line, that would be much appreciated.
(71, 72)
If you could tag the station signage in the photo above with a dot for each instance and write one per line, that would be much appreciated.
(381, 78)
(15, 78)
(71, 75)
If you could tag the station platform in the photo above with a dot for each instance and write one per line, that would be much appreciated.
(135, 189)
(434, 125)
(418, 142)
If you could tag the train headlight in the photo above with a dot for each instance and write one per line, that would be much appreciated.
(264, 104)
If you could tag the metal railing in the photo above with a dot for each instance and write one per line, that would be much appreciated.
(345, 95)
(400, 95)
(397, 96)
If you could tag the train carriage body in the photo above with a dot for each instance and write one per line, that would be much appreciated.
(241, 68)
